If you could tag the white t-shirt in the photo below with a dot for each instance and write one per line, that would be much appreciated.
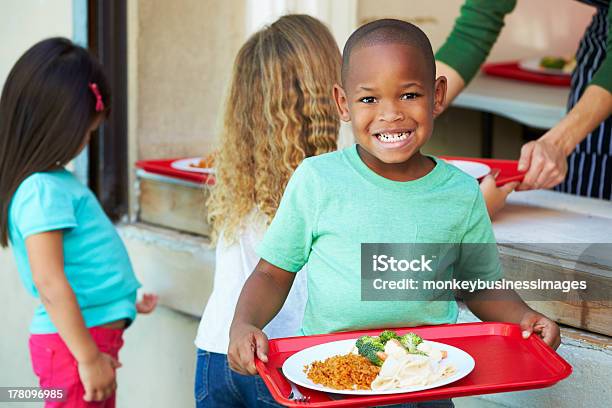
(233, 265)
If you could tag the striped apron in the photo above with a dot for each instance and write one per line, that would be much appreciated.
(590, 164)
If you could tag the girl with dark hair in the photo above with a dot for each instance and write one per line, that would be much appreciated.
(67, 251)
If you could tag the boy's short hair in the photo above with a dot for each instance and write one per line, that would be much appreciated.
(388, 31)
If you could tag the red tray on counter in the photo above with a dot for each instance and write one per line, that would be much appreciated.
(164, 168)
(508, 169)
(513, 71)
(504, 362)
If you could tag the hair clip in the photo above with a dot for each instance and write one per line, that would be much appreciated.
(96, 92)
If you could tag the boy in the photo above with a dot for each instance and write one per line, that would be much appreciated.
(382, 190)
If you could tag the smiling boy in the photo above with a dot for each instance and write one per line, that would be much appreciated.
(382, 190)
(390, 95)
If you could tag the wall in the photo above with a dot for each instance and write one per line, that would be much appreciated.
(185, 51)
(16, 311)
(25, 22)
(457, 132)
(530, 29)
(22, 24)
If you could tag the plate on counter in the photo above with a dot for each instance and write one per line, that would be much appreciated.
(533, 65)
(474, 169)
(191, 164)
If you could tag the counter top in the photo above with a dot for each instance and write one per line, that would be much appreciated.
(551, 236)
(544, 216)
(539, 106)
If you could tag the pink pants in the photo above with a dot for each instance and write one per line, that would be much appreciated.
(57, 368)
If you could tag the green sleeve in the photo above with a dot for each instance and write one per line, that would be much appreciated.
(476, 30)
(288, 240)
(479, 258)
(603, 76)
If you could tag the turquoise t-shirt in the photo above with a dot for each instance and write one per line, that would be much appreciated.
(333, 203)
(96, 262)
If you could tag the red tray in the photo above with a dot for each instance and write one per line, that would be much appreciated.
(513, 71)
(504, 362)
(508, 169)
(164, 168)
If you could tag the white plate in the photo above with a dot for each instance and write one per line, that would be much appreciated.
(533, 65)
(191, 165)
(293, 368)
(474, 169)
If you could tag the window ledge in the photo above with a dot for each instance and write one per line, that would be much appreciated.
(172, 203)
(179, 267)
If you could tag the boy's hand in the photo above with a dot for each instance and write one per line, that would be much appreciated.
(245, 341)
(533, 322)
(495, 197)
(147, 304)
(98, 377)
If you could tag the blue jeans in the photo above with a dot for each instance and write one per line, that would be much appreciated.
(217, 386)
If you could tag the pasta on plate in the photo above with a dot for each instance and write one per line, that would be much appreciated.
(402, 369)
(381, 363)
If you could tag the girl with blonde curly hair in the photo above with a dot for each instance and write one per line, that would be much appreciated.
(279, 111)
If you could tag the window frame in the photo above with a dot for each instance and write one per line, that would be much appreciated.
(108, 150)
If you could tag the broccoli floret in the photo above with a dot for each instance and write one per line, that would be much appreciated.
(553, 62)
(368, 346)
(363, 340)
(377, 344)
(369, 349)
(410, 341)
(388, 335)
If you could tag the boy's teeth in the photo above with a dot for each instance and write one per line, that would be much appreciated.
(392, 137)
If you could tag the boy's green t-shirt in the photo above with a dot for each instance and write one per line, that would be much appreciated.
(333, 203)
